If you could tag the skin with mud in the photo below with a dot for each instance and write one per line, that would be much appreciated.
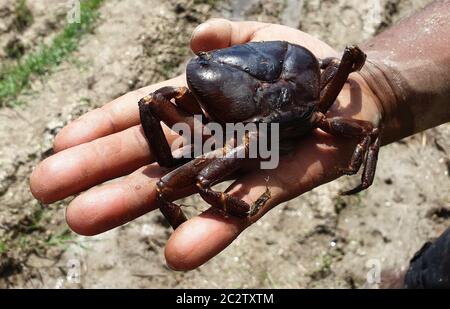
(315, 240)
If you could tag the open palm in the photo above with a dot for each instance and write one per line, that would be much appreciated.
(108, 143)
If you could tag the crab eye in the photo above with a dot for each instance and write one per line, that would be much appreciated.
(204, 55)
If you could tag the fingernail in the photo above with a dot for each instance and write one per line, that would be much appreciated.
(200, 28)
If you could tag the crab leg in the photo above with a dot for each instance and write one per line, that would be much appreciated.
(157, 107)
(357, 157)
(365, 153)
(176, 184)
(214, 172)
(330, 67)
(333, 79)
(218, 170)
(369, 168)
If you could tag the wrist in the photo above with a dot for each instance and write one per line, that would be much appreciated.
(357, 101)
(391, 93)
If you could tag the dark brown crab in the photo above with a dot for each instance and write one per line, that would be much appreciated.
(277, 82)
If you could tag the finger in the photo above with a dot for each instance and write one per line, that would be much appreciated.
(83, 166)
(295, 36)
(221, 33)
(113, 204)
(312, 164)
(113, 117)
(203, 237)
(199, 239)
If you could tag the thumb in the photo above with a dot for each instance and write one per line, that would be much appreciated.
(221, 33)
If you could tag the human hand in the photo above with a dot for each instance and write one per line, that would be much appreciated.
(108, 142)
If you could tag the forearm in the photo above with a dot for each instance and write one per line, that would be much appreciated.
(408, 69)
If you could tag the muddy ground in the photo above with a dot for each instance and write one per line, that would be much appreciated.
(316, 240)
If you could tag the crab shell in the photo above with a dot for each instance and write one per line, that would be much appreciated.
(249, 81)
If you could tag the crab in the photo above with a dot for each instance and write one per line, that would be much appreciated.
(260, 82)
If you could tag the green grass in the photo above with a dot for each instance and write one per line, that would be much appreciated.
(61, 238)
(3, 247)
(14, 49)
(24, 17)
(35, 235)
(15, 78)
(211, 3)
(324, 270)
